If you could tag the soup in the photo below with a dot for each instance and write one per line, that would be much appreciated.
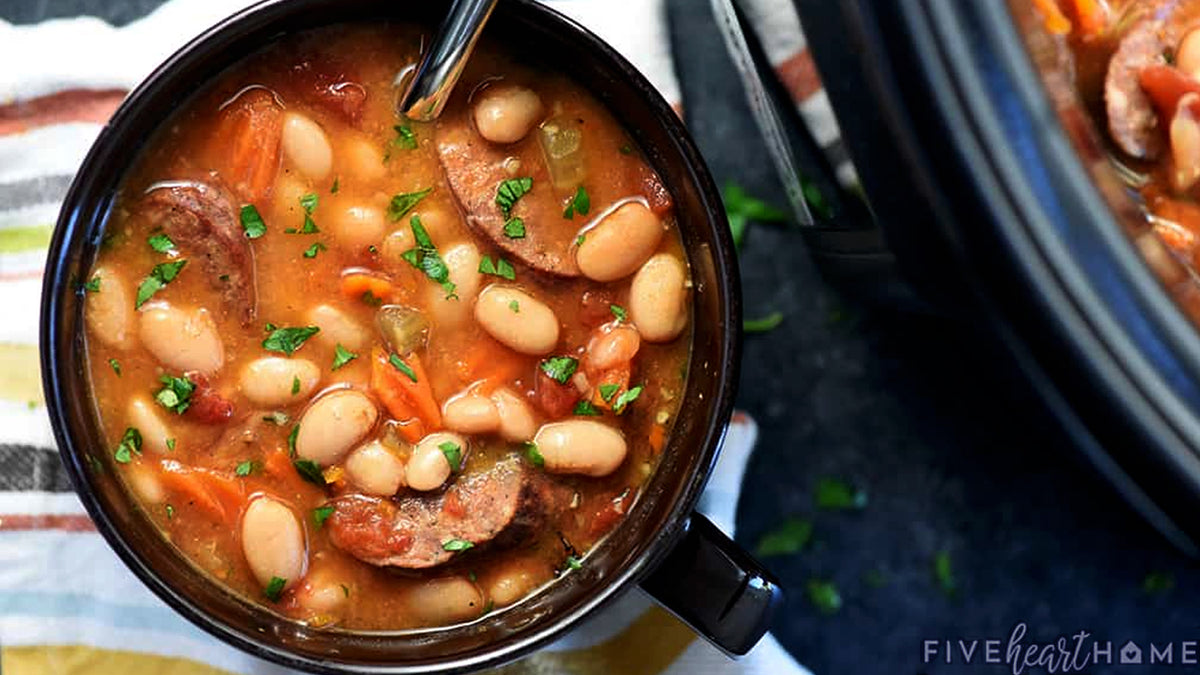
(1135, 65)
(379, 374)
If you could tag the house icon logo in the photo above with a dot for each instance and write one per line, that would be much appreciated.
(1131, 654)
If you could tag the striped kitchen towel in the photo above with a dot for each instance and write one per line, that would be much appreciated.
(67, 604)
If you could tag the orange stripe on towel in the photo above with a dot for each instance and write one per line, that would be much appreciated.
(66, 522)
(799, 75)
(74, 105)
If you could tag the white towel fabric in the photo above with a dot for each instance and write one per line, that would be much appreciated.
(66, 602)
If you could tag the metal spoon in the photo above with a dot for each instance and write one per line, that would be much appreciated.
(445, 59)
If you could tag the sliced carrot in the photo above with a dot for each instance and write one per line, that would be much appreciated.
(277, 464)
(658, 438)
(1093, 16)
(253, 125)
(1055, 21)
(219, 496)
(618, 376)
(490, 364)
(358, 285)
(410, 403)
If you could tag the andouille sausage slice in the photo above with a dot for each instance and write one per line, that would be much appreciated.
(1131, 120)
(201, 220)
(502, 505)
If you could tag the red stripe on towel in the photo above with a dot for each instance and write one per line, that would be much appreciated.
(799, 74)
(24, 275)
(74, 105)
(66, 522)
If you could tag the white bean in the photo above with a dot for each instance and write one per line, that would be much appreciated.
(182, 339)
(505, 114)
(273, 542)
(428, 467)
(361, 158)
(510, 586)
(658, 299)
(620, 243)
(471, 413)
(531, 329)
(145, 419)
(336, 327)
(145, 484)
(321, 593)
(1187, 57)
(582, 447)
(445, 600)
(275, 380)
(306, 145)
(516, 418)
(356, 226)
(110, 310)
(462, 260)
(334, 424)
(286, 195)
(375, 469)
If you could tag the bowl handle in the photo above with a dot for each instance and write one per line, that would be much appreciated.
(716, 588)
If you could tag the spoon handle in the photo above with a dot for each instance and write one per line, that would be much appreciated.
(445, 59)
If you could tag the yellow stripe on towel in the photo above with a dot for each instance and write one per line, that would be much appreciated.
(648, 646)
(82, 660)
(22, 239)
(20, 379)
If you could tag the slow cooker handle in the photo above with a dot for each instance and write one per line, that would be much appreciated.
(716, 588)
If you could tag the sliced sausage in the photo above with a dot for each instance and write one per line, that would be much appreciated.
(501, 505)
(1131, 119)
(202, 221)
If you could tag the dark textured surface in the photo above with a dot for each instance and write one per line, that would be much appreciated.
(952, 452)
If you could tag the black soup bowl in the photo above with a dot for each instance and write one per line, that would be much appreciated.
(676, 555)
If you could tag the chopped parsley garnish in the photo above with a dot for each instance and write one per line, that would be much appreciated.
(405, 138)
(456, 545)
(291, 440)
(533, 454)
(342, 356)
(741, 208)
(838, 495)
(131, 444)
(404, 202)
(160, 242)
(560, 368)
(453, 453)
(160, 276)
(625, 149)
(252, 222)
(336, 183)
(345, 590)
(509, 191)
(791, 536)
(426, 258)
(278, 418)
(514, 306)
(371, 299)
(288, 340)
(824, 596)
(574, 563)
(313, 250)
(115, 365)
(619, 312)
(499, 267)
(626, 398)
(943, 573)
(309, 203)
(92, 285)
(274, 589)
(245, 468)
(514, 228)
(1158, 582)
(399, 364)
(579, 240)
(321, 514)
(763, 325)
(170, 512)
(586, 409)
(309, 471)
(580, 204)
(295, 385)
(171, 444)
(176, 394)
(607, 391)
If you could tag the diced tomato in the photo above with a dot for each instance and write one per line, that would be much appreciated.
(452, 505)
(328, 83)
(1165, 85)
(595, 308)
(207, 406)
(556, 400)
(652, 188)
(609, 514)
